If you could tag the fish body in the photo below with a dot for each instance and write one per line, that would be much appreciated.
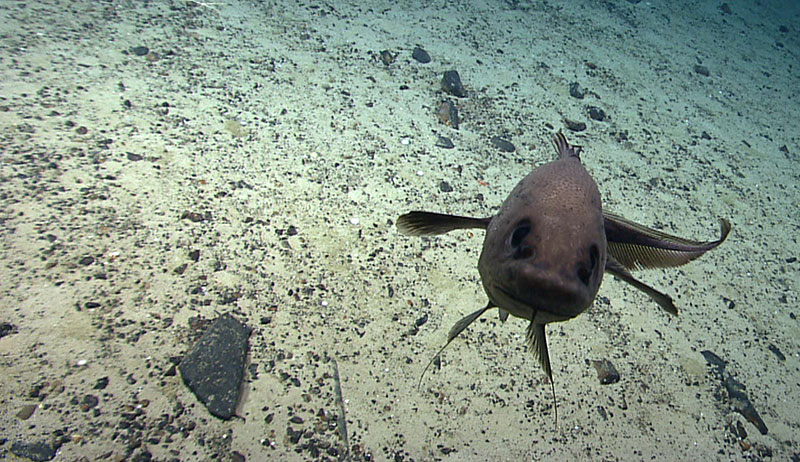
(546, 250)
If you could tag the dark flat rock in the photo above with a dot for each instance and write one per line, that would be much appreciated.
(215, 367)
(38, 452)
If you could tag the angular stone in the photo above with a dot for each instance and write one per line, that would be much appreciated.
(37, 452)
(215, 367)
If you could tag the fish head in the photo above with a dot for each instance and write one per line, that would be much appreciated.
(545, 251)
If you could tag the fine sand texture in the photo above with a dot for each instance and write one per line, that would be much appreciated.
(163, 163)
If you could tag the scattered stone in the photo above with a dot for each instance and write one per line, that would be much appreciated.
(37, 452)
(89, 402)
(702, 70)
(606, 372)
(421, 55)
(86, 261)
(26, 411)
(777, 352)
(101, 383)
(444, 142)
(595, 113)
(451, 83)
(195, 217)
(503, 144)
(574, 125)
(140, 51)
(214, 368)
(132, 156)
(421, 320)
(387, 57)
(445, 186)
(448, 114)
(737, 395)
(576, 91)
(6, 328)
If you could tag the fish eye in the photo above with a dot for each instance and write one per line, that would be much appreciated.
(585, 273)
(516, 241)
(520, 232)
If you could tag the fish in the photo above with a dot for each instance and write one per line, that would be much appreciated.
(546, 250)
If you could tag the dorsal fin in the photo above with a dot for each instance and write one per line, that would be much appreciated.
(563, 148)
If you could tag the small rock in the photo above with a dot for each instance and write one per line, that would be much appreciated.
(421, 55)
(702, 70)
(595, 113)
(444, 142)
(574, 125)
(606, 372)
(89, 402)
(448, 114)
(101, 383)
(576, 91)
(387, 57)
(37, 452)
(451, 83)
(214, 368)
(502, 144)
(140, 51)
(26, 411)
(86, 261)
(445, 186)
(6, 328)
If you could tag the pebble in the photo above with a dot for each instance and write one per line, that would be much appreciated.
(595, 113)
(503, 144)
(421, 55)
(34, 451)
(448, 114)
(140, 51)
(451, 83)
(606, 372)
(702, 70)
(444, 142)
(387, 57)
(26, 411)
(576, 91)
(6, 328)
(574, 125)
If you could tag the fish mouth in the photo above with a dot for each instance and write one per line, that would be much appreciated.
(538, 310)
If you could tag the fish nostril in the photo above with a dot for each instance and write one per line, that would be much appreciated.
(584, 275)
(523, 252)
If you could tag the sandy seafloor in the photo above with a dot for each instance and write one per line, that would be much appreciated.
(277, 126)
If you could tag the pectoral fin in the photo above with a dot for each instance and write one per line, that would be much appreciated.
(429, 223)
(663, 300)
(635, 246)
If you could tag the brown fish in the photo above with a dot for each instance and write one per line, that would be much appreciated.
(547, 248)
